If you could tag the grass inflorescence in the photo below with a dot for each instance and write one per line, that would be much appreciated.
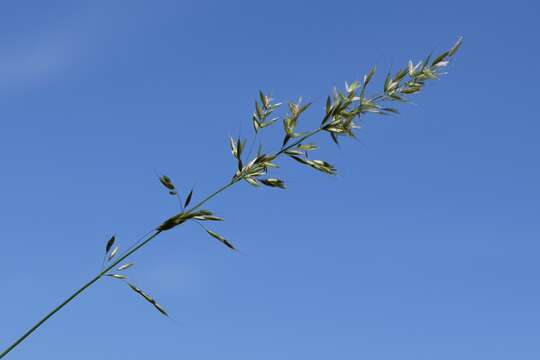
(341, 114)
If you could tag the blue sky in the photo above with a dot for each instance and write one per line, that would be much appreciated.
(424, 247)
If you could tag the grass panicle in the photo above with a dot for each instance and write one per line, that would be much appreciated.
(341, 116)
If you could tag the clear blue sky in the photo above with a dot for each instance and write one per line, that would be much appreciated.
(425, 246)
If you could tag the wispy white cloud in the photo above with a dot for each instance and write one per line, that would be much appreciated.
(35, 61)
(44, 50)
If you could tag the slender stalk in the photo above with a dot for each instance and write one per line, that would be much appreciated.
(77, 293)
(212, 195)
(300, 140)
(133, 249)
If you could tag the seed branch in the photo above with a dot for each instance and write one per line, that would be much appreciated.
(341, 113)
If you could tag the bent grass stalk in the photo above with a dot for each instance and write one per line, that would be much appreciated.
(341, 109)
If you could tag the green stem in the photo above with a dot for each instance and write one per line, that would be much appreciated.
(235, 180)
(212, 195)
(76, 293)
(54, 311)
(130, 251)
(299, 141)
